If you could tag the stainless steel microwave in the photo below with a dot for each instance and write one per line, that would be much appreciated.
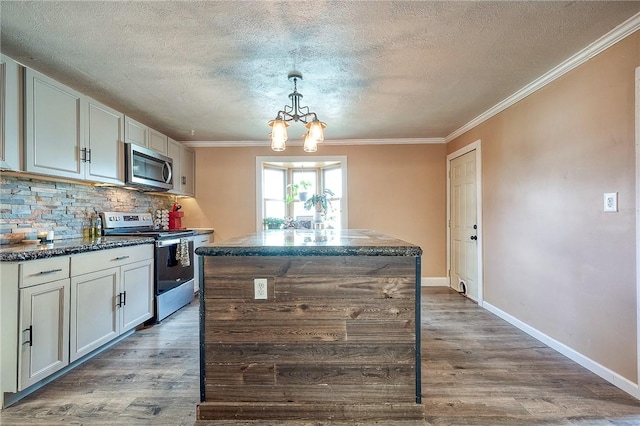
(147, 169)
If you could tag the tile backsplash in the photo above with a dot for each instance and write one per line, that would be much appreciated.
(29, 205)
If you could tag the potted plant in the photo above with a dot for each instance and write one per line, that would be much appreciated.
(273, 222)
(293, 191)
(321, 204)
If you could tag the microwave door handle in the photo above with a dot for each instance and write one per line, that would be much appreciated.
(166, 167)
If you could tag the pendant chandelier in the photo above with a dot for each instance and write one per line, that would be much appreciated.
(296, 112)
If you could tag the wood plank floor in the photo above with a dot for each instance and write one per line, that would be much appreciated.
(477, 370)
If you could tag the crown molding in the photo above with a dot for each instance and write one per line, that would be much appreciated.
(238, 144)
(623, 30)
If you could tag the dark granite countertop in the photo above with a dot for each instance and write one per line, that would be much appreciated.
(22, 252)
(306, 242)
(202, 231)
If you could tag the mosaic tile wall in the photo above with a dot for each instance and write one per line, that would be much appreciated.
(30, 205)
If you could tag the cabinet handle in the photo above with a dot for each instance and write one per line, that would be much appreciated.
(89, 155)
(30, 330)
(184, 180)
(122, 299)
(83, 155)
(120, 258)
(50, 271)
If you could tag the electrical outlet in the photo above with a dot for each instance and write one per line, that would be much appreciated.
(260, 288)
(611, 202)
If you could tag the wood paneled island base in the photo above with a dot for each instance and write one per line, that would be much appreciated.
(335, 338)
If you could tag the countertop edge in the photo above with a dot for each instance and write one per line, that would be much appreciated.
(73, 247)
(309, 251)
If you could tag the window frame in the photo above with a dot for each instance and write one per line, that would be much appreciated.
(295, 161)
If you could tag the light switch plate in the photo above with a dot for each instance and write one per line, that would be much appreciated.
(611, 202)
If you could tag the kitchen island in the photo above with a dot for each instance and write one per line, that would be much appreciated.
(310, 325)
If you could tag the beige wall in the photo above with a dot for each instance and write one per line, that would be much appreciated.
(552, 258)
(395, 189)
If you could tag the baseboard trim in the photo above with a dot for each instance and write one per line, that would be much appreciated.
(434, 281)
(591, 365)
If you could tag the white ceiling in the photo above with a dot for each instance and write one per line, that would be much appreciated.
(372, 70)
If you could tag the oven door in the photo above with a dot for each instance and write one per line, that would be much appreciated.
(174, 263)
(174, 286)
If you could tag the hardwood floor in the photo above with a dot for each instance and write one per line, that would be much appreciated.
(477, 370)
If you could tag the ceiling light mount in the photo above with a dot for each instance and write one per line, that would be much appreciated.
(296, 112)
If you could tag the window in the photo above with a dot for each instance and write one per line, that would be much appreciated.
(296, 208)
(332, 179)
(274, 192)
(277, 175)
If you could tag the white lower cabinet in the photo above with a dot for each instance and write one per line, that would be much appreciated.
(199, 241)
(137, 298)
(53, 311)
(94, 311)
(111, 301)
(44, 331)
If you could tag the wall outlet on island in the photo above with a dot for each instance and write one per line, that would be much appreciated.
(260, 288)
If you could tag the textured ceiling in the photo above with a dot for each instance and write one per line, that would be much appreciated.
(372, 70)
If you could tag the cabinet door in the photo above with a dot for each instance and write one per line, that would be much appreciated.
(157, 142)
(11, 117)
(174, 150)
(94, 314)
(105, 150)
(137, 294)
(44, 327)
(198, 241)
(188, 169)
(135, 132)
(54, 127)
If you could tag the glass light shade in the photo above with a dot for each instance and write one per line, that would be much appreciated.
(310, 144)
(315, 130)
(278, 134)
(277, 144)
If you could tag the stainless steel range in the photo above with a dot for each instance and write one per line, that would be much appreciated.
(174, 280)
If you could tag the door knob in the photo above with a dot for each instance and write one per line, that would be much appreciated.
(474, 237)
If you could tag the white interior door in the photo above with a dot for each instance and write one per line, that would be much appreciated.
(464, 225)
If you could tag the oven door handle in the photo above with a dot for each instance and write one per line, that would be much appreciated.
(166, 243)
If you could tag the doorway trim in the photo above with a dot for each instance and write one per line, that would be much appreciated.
(474, 146)
(637, 146)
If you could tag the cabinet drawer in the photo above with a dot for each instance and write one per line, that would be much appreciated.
(43, 271)
(200, 240)
(103, 259)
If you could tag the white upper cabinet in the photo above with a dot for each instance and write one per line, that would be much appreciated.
(184, 165)
(135, 132)
(70, 135)
(10, 114)
(174, 152)
(54, 130)
(104, 147)
(66, 134)
(157, 142)
(188, 169)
